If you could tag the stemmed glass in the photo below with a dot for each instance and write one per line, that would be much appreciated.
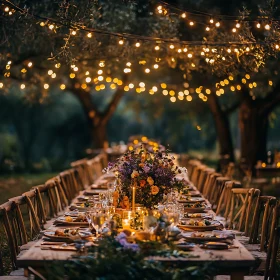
(99, 219)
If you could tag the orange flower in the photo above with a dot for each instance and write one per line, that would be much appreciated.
(141, 164)
(150, 180)
(142, 183)
(154, 190)
(134, 174)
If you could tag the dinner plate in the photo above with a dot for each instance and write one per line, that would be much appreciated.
(62, 221)
(185, 246)
(215, 246)
(94, 192)
(192, 200)
(203, 239)
(63, 248)
(195, 210)
(199, 216)
(192, 193)
(83, 198)
(51, 235)
(213, 226)
(82, 235)
(79, 208)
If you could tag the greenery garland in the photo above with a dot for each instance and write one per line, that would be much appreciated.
(109, 261)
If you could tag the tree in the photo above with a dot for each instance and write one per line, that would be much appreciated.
(79, 31)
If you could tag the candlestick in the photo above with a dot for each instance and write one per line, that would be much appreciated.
(133, 197)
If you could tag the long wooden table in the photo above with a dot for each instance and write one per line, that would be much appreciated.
(235, 262)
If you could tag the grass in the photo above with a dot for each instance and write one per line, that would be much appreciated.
(14, 185)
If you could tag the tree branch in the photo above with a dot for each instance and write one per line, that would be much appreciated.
(92, 114)
(272, 100)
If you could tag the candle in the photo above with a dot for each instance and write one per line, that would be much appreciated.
(126, 223)
(133, 198)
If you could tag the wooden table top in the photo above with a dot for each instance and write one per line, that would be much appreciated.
(238, 258)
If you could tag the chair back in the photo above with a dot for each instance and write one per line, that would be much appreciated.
(263, 221)
(240, 207)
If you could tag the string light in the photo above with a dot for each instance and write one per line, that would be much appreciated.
(89, 35)
(121, 42)
(137, 45)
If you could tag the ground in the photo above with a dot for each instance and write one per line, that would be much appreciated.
(14, 185)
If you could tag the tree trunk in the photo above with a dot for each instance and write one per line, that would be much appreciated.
(222, 128)
(97, 121)
(100, 136)
(253, 127)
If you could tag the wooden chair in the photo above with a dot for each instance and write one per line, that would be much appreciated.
(20, 227)
(230, 170)
(192, 164)
(82, 168)
(217, 190)
(203, 177)
(69, 184)
(270, 271)
(197, 172)
(241, 203)
(47, 199)
(262, 221)
(223, 207)
(271, 261)
(209, 184)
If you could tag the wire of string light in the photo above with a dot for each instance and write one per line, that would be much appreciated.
(247, 18)
(52, 22)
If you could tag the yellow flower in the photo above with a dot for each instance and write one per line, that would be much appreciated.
(154, 190)
(150, 181)
(134, 174)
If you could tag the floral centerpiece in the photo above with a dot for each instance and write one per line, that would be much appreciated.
(153, 173)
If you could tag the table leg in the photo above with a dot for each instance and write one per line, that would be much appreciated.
(237, 275)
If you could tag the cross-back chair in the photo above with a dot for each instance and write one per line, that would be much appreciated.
(81, 166)
(209, 184)
(203, 178)
(223, 207)
(20, 226)
(241, 204)
(217, 190)
(69, 184)
(263, 221)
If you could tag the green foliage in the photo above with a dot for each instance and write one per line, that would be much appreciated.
(110, 261)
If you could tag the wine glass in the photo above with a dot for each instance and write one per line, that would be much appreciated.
(98, 219)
